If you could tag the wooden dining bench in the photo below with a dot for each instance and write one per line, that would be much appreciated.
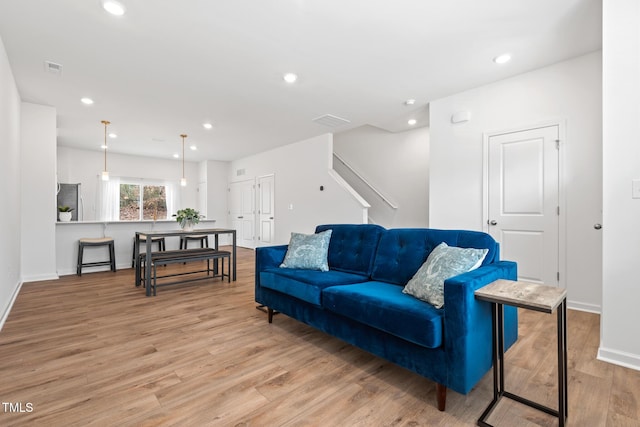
(185, 256)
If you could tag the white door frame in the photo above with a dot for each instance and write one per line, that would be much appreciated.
(562, 228)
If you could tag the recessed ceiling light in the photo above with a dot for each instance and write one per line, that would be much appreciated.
(290, 78)
(193, 148)
(113, 135)
(207, 125)
(86, 101)
(502, 59)
(113, 7)
(104, 147)
(412, 122)
(409, 102)
(176, 155)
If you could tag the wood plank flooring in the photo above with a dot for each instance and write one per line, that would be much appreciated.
(93, 350)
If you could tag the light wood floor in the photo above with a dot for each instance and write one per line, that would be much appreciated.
(93, 350)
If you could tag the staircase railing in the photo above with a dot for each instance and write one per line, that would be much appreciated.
(366, 182)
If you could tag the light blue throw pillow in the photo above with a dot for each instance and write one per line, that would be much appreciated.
(442, 263)
(308, 251)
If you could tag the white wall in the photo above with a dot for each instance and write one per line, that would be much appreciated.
(216, 178)
(569, 92)
(11, 212)
(300, 169)
(621, 163)
(397, 164)
(84, 166)
(38, 153)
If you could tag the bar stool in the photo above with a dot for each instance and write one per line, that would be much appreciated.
(143, 239)
(203, 238)
(96, 241)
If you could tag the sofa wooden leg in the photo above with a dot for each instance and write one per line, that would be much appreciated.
(270, 314)
(441, 395)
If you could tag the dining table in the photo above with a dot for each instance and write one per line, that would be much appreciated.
(216, 232)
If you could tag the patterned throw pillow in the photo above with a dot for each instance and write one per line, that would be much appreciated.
(308, 251)
(442, 263)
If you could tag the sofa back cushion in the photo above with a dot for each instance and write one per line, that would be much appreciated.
(402, 251)
(352, 247)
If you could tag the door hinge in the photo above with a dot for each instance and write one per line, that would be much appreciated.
(557, 144)
(558, 276)
(558, 210)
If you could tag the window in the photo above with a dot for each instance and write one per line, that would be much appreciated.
(152, 199)
(135, 199)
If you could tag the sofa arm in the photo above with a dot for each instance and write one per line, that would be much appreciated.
(467, 324)
(267, 257)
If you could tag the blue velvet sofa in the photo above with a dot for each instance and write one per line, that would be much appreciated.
(360, 300)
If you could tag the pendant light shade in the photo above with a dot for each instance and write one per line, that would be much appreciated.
(105, 172)
(183, 180)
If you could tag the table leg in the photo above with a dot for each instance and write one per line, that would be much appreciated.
(498, 369)
(136, 257)
(234, 254)
(147, 270)
(562, 364)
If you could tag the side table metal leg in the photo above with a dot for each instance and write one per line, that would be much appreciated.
(562, 364)
(497, 338)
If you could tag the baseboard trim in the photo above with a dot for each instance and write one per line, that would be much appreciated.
(621, 358)
(7, 310)
(40, 278)
(589, 308)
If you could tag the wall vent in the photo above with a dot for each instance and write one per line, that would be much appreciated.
(52, 67)
(331, 120)
(240, 172)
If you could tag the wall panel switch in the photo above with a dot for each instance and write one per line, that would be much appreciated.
(635, 189)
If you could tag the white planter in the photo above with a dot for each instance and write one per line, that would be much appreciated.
(64, 216)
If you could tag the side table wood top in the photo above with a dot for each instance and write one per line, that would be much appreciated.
(532, 296)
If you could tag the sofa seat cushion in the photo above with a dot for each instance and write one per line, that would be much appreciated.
(384, 306)
(306, 285)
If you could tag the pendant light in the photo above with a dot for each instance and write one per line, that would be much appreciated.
(105, 173)
(183, 181)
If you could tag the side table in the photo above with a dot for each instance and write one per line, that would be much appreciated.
(531, 296)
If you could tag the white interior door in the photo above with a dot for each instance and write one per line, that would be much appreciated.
(242, 211)
(523, 200)
(266, 214)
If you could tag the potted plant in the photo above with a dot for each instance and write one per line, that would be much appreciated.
(64, 213)
(187, 218)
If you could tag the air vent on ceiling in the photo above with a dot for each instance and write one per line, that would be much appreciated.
(52, 67)
(331, 120)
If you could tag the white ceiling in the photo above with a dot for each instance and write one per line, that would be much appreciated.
(167, 66)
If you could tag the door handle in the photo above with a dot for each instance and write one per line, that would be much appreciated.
(240, 217)
(493, 222)
(597, 226)
(270, 217)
